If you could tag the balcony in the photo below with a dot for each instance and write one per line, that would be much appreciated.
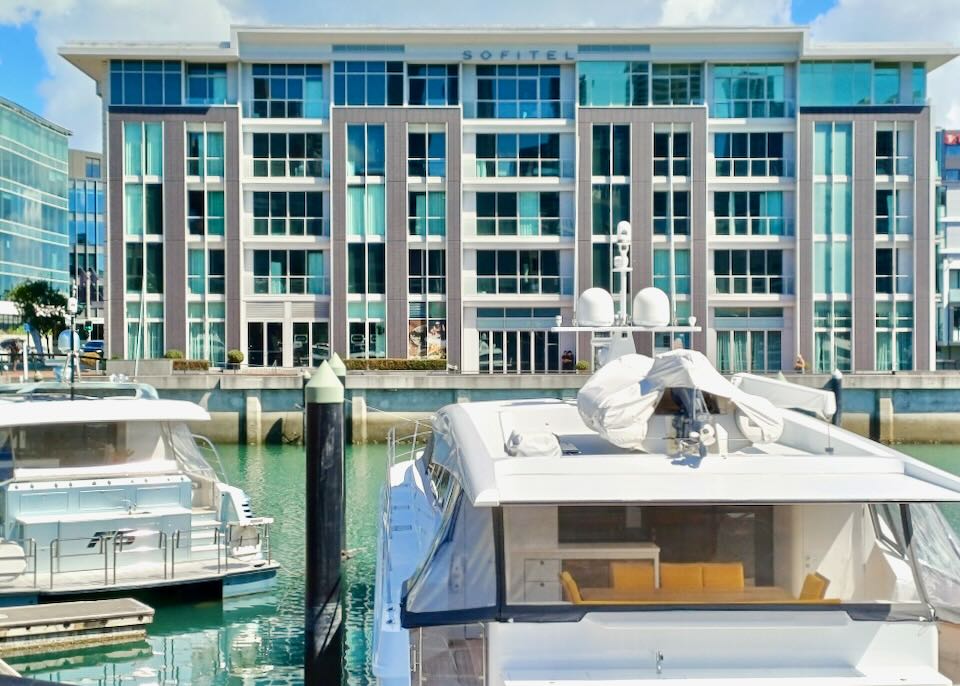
(524, 228)
(288, 169)
(526, 109)
(753, 285)
(304, 228)
(288, 285)
(279, 110)
(521, 169)
(523, 285)
(736, 227)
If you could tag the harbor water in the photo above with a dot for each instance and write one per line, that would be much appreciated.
(259, 639)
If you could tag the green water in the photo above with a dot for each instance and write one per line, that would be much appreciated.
(259, 639)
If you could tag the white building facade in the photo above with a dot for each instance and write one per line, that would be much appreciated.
(435, 193)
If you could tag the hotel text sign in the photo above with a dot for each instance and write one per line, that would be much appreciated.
(520, 55)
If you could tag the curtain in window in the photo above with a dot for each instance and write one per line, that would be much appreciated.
(355, 210)
(842, 215)
(904, 350)
(154, 147)
(132, 148)
(682, 267)
(842, 140)
(216, 346)
(841, 268)
(154, 347)
(823, 362)
(884, 351)
(757, 351)
(740, 352)
(134, 344)
(376, 210)
(215, 154)
(723, 350)
(133, 209)
(437, 206)
(196, 351)
(822, 148)
(529, 214)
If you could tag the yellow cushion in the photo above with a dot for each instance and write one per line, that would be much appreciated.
(681, 577)
(814, 587)
(723, 576)
(570, 588)
(632, 576)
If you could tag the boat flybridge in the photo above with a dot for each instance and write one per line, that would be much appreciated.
(668, 524)
(103, 487)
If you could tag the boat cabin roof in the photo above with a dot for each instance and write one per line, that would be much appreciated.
(38, 410)
(811, 462)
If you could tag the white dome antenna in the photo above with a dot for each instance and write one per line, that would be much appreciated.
(651, 307)
(595, 308)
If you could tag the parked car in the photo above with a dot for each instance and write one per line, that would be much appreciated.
(93, 346)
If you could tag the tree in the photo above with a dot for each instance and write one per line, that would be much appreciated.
(41, 306)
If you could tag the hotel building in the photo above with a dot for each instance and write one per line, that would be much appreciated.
(447, 193)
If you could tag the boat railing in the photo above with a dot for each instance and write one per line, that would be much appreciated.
(206, 447)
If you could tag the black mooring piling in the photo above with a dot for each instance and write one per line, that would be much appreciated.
(323, 625)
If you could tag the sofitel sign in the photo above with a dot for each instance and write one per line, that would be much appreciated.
(548, 55)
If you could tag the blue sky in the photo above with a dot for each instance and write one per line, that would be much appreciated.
(32, 74)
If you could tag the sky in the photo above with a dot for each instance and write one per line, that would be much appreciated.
(33, 75)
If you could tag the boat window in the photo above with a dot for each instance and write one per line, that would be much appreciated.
(187, 454)
(92, 444)
(937, 550)
(458, 577)
(6, 455)
(829, 554)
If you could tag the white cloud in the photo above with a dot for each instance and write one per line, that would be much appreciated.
(928, 21)
(725, 12)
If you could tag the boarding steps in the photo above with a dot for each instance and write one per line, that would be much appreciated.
(203, 534)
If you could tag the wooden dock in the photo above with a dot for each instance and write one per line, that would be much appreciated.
(30, 629)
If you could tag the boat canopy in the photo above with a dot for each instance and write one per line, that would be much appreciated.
(98, 410)
(783, 394)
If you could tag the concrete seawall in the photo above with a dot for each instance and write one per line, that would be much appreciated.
(267, 408)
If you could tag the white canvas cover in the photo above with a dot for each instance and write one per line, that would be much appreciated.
(618, 401)
(782, 393)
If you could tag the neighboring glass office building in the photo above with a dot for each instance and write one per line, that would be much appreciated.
(88, 239)
(34, 243)
(446, 194)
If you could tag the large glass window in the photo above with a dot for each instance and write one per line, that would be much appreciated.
(749, 90)
(525, 154)
(749, 154)
(748, 351)
(894, 148)
(264, 344)
(611, 205)
(894, 211)
(206, 84)
(311, 343)
(749, 271)
(672, 278)
(886, 83)
(671, 153)
(205, 212)
(513, 351)
(529, 213)
(614, 84)
(856, 83)
(518, 91)
(366, 209)
(832, 267)
(368, 83)
(288, 213)
(143, 148)
(287, 91)
(518, 271)
(144, 329)
(368, 338)
(366, 268)
(894, 270)
(427, 330)
(677, 84)
(427, 213)
(433, 84)
(611, 150)
(205, 153)
(671, 213)
(426, 150)
(280, 272)
(918, 83)
(206, 271)
(206, 324)
(833, 148)
(894, 336)
(146, 82)
(288, 154)
(365, 150)
(755, 213)
(833, 329)
(426, 271)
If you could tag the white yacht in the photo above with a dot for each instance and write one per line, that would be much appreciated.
(104, 488)
(668, 524)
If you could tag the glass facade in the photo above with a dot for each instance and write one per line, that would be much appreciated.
(299, 272)
(518, 271)
(614, 84)
(750, 90)
(287, 91)
(206, 84)
(88, 244)
(527, 213)
(749, 154)
(368, 83)
(525, 154)
(753, 213)
(146, 82)
(524, 91)
(288, 213)
(288, 154)
(433, 84)
(426, 151)
(34, 230)
(859, 83)
(205, 153)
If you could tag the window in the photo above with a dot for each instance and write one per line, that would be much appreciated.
(144, 342)
(365, 150)
(366, 210)
(525, 214)
(287, 91)
(433, 84)
(834, 83)
(427, 330)
(894, 270)
(288, 154)
(142, 148)
(140, 255)
(677, 84)
(525, 154)
(672, 279)
(754, 213)
(894, 148)
(749, 271)
(426, 151)
(366, 268)
(264, 344)
(671, 153)
(749, 90)
(146, 82)
(288, 213)
(614, 84)
(832, 148)
(601, 264)
(368, 339)
(205, 153)
(368, 83)
(205, 277)
(279, 272)
(143, 209)
(611, 150)
(671, 213)
(832, 267)
(833, 327)
(428, 213)
(427, 272)
(894, 212)
(92, 168)
(749, 154)
(205, 213)
(894, 336)
(886, 83)
(513, 351)
(206, 84)
(311, 343)
(611, 205)
(518, 271)
(748, 351)
(207, 332)
(918, 83)
(524, 91)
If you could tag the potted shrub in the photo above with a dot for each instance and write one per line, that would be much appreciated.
(173, 354)
(234, 358)
(582, 367)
